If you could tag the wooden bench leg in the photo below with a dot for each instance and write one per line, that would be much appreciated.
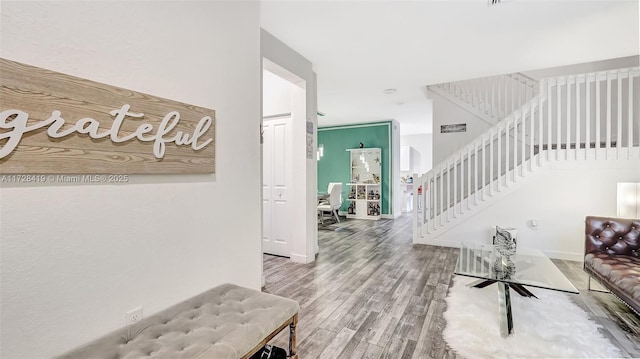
(292, 338)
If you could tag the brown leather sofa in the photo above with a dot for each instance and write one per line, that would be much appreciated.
(612, 256)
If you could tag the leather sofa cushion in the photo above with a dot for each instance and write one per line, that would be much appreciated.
(621, 271)
(224, 322)
(615, 236)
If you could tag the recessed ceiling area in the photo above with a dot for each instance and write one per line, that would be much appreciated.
(360, 48)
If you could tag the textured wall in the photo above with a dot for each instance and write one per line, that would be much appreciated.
(76, 257)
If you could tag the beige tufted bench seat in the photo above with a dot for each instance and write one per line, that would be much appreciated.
(225, 322)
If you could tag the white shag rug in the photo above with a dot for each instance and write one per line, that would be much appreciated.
(548, 327)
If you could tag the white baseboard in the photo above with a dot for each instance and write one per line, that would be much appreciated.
(299, 258)
(439, 243)
(568, 256)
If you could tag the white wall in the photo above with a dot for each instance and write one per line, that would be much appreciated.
(559, 200)
(422, 143)
(75, 258)
(276, 94)
(446, 113)
(396, 190)
(289, 62)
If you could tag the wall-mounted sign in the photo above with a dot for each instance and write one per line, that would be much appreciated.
(56, 123)
(458, 127)
(309, 140)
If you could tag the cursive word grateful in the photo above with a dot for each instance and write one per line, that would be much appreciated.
(15, 122)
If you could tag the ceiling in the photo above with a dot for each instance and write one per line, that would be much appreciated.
(360, 48)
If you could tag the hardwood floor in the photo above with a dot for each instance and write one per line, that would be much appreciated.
(371, 293)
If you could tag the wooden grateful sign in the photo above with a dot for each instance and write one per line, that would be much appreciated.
(56, 123)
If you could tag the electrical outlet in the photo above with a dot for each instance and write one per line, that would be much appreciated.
(133, 316)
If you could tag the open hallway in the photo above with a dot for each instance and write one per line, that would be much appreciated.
(371, 293)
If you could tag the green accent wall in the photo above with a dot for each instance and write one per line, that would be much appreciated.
(335, 164)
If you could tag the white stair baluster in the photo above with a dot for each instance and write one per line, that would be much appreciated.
(568, 146)
(499, 159)
(558, 119)
(448, 192)
(532, 132)
(491, 163)
(576, 153)
(484, 167)
(441, 196)
(549, 120)
(619, 124)
(515, 143)
(587, 117)
(455, 186)
(608, 128)
(469, 174)
(507, 150)
(630, 116)
(462, 178)
(598, 138)
(540, 126)
(476, 161)
(523, 145)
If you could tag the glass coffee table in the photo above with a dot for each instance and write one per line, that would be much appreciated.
(528, 267)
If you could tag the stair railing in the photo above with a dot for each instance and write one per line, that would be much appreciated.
(490, 98)
(593, 115)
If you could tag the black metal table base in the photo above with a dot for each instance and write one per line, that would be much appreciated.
(504, 301)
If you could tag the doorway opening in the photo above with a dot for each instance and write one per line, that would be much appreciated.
(283, 110)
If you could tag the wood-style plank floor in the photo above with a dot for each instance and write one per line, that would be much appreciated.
(371, 293)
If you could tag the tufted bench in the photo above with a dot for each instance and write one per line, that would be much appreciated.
(225, 322)
(612, 256)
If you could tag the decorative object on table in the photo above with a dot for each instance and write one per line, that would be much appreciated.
(555, 326)
(376, 178)
(361, 145)
(504, 241)
(504, 268)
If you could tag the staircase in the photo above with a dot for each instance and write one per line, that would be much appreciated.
(591, 116)
(490, 98)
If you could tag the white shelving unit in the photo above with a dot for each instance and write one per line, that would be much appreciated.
(365, 191)
(364, 200)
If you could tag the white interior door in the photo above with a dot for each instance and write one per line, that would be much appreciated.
(276, 181)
